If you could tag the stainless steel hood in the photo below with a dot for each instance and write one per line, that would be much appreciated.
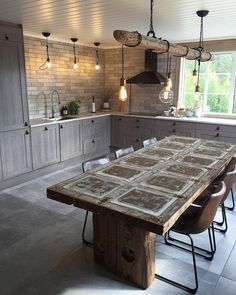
(150, 75)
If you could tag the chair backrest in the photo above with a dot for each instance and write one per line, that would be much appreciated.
(123, 152)
(229, 177)
(149, 141)
(94, 163)
(207, 213)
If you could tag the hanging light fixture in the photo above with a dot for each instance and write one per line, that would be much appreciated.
(166, 95)
(75, 64)
(195, 73)
(47, 64)
(122, 93)
(97, 65)
(201, 14)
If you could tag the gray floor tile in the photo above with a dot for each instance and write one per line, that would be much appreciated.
(225, 287)
(229, 271)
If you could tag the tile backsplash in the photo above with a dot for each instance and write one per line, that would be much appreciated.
(86, 82)
(81, 84)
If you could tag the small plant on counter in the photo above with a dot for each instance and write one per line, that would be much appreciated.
(74, 107)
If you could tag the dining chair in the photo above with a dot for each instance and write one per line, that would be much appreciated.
(229, 177)
(87, 166)
(195, 220)
(124, 151)
(149, 141)
(231, 167)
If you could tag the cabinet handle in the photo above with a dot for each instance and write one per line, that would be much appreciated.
(26, 132)
(93, 141)
(92, 121)
(6, 37)
(218, 128)
(217, 135)
(137, 126)
(61, 126)
(174, 124)
(137, 140)
(45, 128)
(173, 130)
(137, 121)
(26, 124)
(119, 119)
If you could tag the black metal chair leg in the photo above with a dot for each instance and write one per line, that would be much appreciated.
(181, 286)
(233, 201)
(207, 254)
(83, 232)
(225, 223)
(220, 223)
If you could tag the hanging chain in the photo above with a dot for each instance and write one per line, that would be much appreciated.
(97, 54)
(151, 30)
(201, 36)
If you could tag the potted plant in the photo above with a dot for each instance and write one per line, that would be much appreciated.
(74, 107)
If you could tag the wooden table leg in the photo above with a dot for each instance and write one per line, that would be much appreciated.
(125, 250)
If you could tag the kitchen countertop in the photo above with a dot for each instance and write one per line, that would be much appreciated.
(43, 121)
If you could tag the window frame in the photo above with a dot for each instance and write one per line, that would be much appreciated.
(232, 90)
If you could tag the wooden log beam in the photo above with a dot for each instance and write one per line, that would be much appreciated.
(135, 39)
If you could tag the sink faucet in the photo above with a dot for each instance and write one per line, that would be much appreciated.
(58, 97)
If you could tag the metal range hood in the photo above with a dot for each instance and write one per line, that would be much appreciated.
(150, 75)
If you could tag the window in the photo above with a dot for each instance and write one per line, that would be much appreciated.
(217, 84)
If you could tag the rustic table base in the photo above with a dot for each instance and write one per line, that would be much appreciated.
(124, 249)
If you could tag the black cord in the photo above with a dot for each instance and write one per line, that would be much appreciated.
(151, 30)
(122, 61)
(74, 54)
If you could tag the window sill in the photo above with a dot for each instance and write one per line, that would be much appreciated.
(219, 115)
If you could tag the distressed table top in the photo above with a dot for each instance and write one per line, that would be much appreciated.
(152, 186)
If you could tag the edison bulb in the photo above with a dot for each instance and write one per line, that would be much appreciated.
(169, 83)
(97, 67)
(75, 66)
(166, 95)
(48, 64)
(123, 93)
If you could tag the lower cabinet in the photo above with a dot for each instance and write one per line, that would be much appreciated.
(15, 153)
(0, 166)
(168, 128)
(45, 145)
(71, 140)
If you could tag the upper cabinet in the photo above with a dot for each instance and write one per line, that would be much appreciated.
(13, 97)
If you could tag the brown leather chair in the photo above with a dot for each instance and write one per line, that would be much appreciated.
(87, 166)
(149, 141)
(196, 219)
(124, 151)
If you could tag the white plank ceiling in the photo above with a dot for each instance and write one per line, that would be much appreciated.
(95, 20)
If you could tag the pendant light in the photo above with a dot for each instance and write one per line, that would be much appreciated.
(166, 95)
(122, 93)
(75, 64)
(195, 73)
(47, 64)
(201, 14)
(97, 65)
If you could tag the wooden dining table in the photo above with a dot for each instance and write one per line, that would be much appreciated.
(141, 195)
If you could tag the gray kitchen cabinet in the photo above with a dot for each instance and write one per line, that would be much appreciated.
(15, 152)
(169, 127)
(96, 135)
(13, 97)
(126, 131)
(116, 133)
(0, 163)
(70, 139)
(224, 133)
(133, 130)
(45, 145)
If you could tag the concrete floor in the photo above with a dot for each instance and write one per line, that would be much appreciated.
(41, 251)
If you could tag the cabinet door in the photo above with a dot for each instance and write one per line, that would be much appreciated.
(14, 110)
(0, 163)
(15, 152)
(94, 146)
(116, 136)
(70, 140)
(45, 145)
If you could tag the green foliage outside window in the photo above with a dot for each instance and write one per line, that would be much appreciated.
(215, 81)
